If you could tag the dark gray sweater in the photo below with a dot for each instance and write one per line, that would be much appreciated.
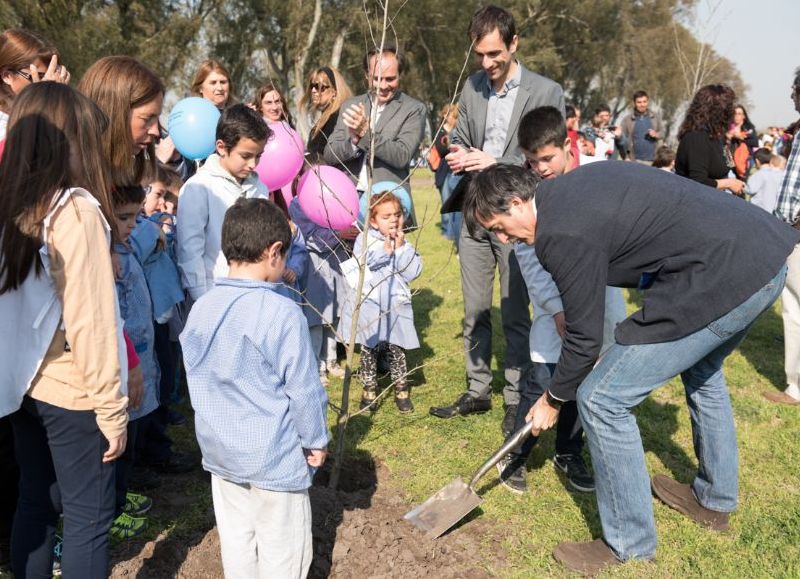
(697, 252)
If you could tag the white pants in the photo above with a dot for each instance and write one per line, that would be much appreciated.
(263, 534)
(790, 300)
(323, 342)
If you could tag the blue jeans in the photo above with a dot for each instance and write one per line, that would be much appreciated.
(622, 379)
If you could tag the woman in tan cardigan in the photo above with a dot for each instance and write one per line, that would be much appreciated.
(54, 253)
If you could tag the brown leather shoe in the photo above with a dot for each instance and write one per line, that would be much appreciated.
(780, 398)
(586, 558)
(681, 498)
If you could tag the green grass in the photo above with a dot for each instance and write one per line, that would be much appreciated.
(424, 453)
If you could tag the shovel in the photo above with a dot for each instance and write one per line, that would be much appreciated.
(455, 501)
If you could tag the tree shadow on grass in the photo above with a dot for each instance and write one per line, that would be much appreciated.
(425, 302)
(658, 422)
(763, 348)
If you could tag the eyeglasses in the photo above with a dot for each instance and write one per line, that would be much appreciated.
(319, 86)
(28, 76)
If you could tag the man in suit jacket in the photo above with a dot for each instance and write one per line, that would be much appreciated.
(397, 132)
(489, 110)
(708, 263)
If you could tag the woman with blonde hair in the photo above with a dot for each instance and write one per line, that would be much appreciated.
(24, 59)
(131, 95)
(62, 378)
(213, 82)
(325, 93)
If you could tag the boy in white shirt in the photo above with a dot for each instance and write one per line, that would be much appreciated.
(226, 176)
(544, 141)
(765, 184)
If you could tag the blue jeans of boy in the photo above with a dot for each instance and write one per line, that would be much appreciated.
(622, 379)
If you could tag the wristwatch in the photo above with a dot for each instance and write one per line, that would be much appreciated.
(554, 402)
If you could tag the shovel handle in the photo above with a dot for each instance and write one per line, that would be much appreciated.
(516, 439)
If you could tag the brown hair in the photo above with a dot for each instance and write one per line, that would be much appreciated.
(51, 126)
(383, 197)
(343, 92)
(18, 50)
(119, 84)
(262, 92)
(206, 68)
(166, 175)
(710, 111)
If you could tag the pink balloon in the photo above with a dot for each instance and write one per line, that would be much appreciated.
(328, 197)
(282, 158)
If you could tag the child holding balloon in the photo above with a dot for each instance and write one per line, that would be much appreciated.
(386, 316)
(226, 176)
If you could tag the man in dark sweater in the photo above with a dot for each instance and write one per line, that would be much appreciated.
(708, 263)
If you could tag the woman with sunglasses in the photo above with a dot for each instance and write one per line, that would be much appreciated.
(325, 93)
(24, 59)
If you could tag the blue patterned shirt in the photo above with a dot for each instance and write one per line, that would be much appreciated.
(254, 385)
(789, 199)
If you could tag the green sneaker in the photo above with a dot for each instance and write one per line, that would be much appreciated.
(127, 527)
(137, 505)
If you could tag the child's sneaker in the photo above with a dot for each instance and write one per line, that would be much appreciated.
(334, 369)
(368, 398)
(128, 527)
(402, 399)
(137, 505)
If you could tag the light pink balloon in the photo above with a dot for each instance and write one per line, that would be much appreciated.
(282, 158)
(328, 197)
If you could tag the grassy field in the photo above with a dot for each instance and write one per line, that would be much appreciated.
(425, 453)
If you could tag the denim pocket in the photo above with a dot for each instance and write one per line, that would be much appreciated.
(740, 317)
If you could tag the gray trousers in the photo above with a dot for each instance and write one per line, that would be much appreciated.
(479, 258)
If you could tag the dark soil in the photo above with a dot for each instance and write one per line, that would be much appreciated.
(358, 532)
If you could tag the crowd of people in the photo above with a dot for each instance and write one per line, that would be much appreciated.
(125, 265)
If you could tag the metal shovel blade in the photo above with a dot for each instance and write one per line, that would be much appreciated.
(444, 509)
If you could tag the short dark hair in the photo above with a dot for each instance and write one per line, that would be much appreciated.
(128, 194)
(570, 112)
(602, 108)
(387, 49)
(241, 122)
(639, 94)
(663, 157)
(490, 192)
(763, 156)
(540, 127)
(797, 76)
(250, 227)
(491, 18)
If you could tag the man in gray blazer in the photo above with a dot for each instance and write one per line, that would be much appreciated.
(491, 105)
(398, 130)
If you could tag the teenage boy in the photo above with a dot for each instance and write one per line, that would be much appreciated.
(489, 110)
(226, 176)
(704, 282)
(547, 147)
(258, 401)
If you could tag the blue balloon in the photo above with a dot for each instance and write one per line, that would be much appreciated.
(192, 124)
(378, 188)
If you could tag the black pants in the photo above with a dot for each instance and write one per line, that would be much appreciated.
(569, 432)
(60, 456)
(123, 466)
(153, 443)
(9, 479)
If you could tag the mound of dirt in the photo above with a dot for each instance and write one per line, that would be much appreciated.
(358, 532)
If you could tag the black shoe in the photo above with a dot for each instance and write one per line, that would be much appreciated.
(368, 400)
(578, 476)
(509, 418)
(176, 418)
(177, 463)
(402, 400)
(512, 475)
(466, 404)
(144, 479)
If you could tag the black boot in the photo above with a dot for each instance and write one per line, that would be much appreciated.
(402, 398)
(368, 399)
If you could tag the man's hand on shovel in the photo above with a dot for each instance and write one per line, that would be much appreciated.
(543, 415)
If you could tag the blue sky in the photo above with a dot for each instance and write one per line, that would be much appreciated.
(761, 38)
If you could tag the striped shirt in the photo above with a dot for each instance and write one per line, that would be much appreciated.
(789, 199)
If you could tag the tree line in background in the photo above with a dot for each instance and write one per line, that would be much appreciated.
(601, 51)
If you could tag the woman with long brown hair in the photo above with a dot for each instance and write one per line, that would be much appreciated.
(271, 103)
(64, 369)
(325, 93)
(213, 82)
(24, 59)
(702, 155)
